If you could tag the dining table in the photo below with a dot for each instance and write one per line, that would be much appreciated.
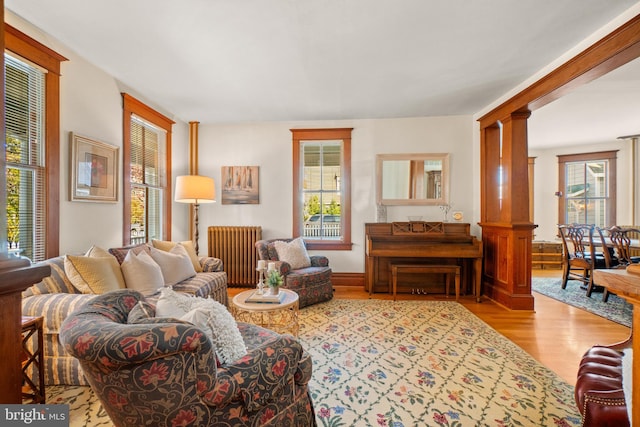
(626, 285)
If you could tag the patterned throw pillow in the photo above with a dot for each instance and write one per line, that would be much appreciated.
(121, 253)
(207, 315)
(176, 265)
(294, 253)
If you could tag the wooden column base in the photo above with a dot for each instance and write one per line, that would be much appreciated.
(507, 264)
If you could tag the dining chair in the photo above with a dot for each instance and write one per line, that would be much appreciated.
(621, 239)
(579, 254)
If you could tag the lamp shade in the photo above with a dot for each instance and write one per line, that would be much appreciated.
(195, 189)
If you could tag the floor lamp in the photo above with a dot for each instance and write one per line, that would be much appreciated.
(195, 189)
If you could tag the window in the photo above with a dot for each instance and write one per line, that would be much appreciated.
(24, 109)
(322, 193)
(587, 189)
(32, 146)
(147, 150)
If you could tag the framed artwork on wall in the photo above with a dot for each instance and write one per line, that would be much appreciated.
(94, 170)
(240, 185)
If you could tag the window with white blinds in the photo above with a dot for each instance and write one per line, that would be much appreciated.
(25, 172)
(148, 180)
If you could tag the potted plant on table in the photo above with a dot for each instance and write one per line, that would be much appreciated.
(274, 281)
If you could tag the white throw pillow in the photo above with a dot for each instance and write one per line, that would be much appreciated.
(208, 315)
(173, 304)
(176, 265)
(141, 273)
(97, 273)
(164, 245)
(294, 253)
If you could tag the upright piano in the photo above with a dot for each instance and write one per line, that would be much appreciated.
(420, 242)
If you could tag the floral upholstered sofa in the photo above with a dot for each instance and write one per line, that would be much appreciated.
(56, 296)
(149, 370)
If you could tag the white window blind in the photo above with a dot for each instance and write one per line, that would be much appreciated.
(26, 173)
(148, 180)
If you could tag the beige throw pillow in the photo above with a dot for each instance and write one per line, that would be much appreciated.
(294, 253)
(97, 252)
(94, 274)
(141, 273)
(176, 265)
(166, 246)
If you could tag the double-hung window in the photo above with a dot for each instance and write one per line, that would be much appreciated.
(25, 172)
(587, 188)
(147, 191)
(322, 193)
(32, 146)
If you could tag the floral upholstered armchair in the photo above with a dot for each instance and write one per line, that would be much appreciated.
(165, 372)
(308, 276)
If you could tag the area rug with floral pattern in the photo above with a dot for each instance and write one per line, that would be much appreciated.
(425, 363)
(406, 363)
(615, 309)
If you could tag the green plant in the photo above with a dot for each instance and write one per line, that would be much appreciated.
(274, 279)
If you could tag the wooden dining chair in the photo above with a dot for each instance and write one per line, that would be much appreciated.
(621, 238)
(621, 242)
(580, 257)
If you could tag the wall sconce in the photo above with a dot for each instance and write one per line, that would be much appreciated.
(195, 189)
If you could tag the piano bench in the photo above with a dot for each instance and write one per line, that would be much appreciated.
(449, 270)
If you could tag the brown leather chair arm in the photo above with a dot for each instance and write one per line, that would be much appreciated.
(605, 409)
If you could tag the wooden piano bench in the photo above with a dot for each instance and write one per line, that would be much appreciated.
(449, 270)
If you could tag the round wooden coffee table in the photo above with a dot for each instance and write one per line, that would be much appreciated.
(280, 317)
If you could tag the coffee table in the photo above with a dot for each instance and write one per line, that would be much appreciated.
(280, 317)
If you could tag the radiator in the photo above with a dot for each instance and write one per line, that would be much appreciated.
(235, 246)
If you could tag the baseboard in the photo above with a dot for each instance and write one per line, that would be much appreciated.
(347, 279)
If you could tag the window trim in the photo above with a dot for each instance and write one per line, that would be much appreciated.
(343, 134)
(611, 156)
(133, 106)
(24, 46)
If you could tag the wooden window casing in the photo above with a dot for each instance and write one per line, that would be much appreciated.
(34, 51)
(132, 106)
(305, 135)
(610, 202)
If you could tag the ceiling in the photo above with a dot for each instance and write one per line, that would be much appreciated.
(600, 111)
(227, 61)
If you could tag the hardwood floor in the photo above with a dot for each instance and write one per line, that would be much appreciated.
(554, 333)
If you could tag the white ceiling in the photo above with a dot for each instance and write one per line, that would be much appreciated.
(220, 61)
(598, 112)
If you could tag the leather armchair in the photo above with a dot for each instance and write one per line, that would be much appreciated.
(164, 372)
(599, 393)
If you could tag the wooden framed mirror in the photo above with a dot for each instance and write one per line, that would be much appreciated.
(412, 179)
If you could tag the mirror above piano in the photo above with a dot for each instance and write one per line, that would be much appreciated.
(412, 179)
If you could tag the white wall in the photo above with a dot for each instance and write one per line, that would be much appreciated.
(269, 146)
(91, 105)
(546, 184)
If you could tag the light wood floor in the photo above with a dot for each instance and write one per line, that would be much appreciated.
(554, 333)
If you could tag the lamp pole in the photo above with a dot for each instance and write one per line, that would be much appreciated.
(196, 234)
